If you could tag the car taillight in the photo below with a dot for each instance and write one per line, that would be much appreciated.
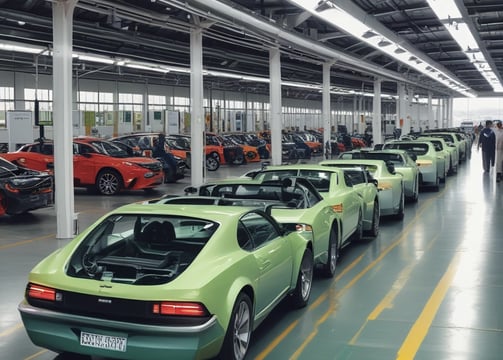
(10, 188)
(179, 308)
(303, 227)
(41, 292)
(338, 208)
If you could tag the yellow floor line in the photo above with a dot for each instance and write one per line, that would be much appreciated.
(420, 328)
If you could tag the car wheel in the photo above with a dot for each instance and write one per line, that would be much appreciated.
(333, 254)
(436, 187)
(400, 214)
(376, 216)
(415, 196)
(302, 292)
(212, 162)
(108, 182)
(237, 337)
(294, 157)
(358, 234)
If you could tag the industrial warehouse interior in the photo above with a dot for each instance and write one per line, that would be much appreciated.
(360, 259)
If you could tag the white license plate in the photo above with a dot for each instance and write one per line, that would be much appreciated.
(114, 343)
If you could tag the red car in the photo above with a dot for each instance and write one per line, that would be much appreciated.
(97, 164)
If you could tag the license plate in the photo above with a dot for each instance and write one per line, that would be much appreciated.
(114, 343)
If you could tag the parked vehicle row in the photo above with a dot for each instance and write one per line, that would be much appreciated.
(192, 276)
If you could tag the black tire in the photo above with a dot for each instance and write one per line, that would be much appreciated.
(376, 217)
(415, 196)
(238, 334)
(108, 182)
(302, 292)
(212, 162)
(333, 254)
(401, 213)
(436, 187)
(358, 234)
(293, 158)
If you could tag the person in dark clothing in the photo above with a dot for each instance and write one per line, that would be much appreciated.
(487, 140)
(167, 159)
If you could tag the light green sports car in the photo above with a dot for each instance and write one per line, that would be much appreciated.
(357, 199)
(390, 184)
(297, 205)
(159, 281)
(403, 162)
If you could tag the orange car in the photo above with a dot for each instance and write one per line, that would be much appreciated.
(97, 164)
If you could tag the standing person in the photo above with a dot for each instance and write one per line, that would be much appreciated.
(168, 160)
(499, 151)
(487, 140)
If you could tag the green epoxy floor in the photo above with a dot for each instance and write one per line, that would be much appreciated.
(428, 287)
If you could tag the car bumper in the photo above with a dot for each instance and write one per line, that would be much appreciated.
(144, 180)
(428, 174)
(60, 332)
(386, 202)
(27, 202)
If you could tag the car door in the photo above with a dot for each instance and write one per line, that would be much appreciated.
(273, 258)
(84, 164)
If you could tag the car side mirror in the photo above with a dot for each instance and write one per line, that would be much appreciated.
(391, 167)
(190, 190)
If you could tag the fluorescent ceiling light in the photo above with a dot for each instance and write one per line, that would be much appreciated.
(31, 49)
(449, 14)
(335, 15)
(94, 58)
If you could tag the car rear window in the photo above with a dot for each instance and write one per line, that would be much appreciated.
(140, 249)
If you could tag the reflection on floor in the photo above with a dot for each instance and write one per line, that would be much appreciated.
(428, 287)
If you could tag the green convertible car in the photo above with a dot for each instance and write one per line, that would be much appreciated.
(295, 204)
(160, 281)
(357, 200)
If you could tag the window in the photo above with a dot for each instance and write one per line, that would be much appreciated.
(6, 104)
(260, 229)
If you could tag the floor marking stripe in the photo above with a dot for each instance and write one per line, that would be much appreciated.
(420, 328)
(24, 242)
(324, 295)
(11, 329)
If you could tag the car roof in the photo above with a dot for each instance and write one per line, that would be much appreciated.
(218, 213)
(376, 162)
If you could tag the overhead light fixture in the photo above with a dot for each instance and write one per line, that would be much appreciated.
(369, 34)
(448, 13)
(343, 16)
(384, 43)
(399, 50)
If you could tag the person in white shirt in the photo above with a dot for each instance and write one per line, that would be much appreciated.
(499, 151)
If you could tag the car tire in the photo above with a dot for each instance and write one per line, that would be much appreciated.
(212, 162)
(401, 213)
(302, 291)
(415, 196)
(436, 187)
(358, 234)
(238, 334)
(333, 254)
(376, 217)
(108, 182)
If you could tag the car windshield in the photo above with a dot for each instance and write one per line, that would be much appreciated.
(140, 249)
(414, 148)
(6, 168)
(396, 159)
(319, 178)
(109, 148)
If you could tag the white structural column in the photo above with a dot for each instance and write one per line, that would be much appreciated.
(450, 105)
(431, 116)
(196, 104)
(275, 101)
(376, 119)
(62, 14)
(326, 104)
(401, 108)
